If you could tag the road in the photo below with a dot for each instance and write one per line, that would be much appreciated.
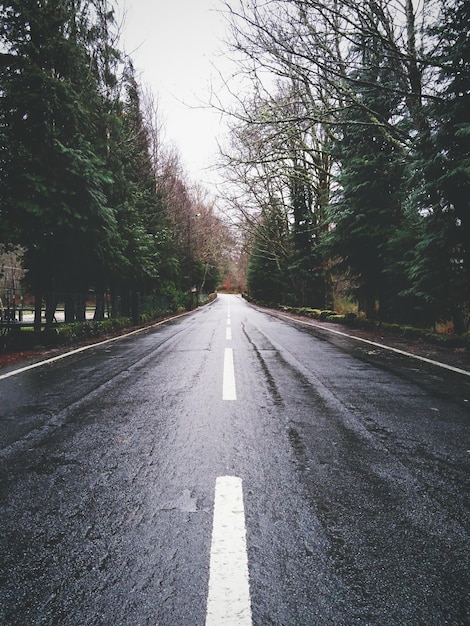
(232, 467)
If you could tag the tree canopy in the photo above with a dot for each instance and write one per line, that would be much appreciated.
(360, 113)
(87, 190)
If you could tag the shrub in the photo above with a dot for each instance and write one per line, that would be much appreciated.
(410, 332)
(325, 314)
(449, 341)
(64, 334)
(337, 319)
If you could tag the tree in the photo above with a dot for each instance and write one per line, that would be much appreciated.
(434, 266)
(305, 260)
(379, 83)
(267, 266)
(445, 157)
(53, 177)
(280, 156)
(368, 208)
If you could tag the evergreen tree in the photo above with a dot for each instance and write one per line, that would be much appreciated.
(434, 266)
(267, 274)
(133, 194)
(53, 178)
(305, 262)
(445, 157)
(368, 208)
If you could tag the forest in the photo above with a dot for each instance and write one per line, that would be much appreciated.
(349, 156)
(92, 200)
(347, 167)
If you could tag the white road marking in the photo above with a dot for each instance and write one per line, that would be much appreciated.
(228, 334)
(90, 346)
(228, 601)
(229, 390)
(458, 370)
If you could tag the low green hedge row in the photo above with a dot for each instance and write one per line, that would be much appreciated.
(350, 319)
(70, 333)
(316, 314)
(65, 334)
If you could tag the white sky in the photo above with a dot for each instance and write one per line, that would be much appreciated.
(174, 45)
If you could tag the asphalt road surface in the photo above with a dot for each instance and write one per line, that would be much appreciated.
(231, 467)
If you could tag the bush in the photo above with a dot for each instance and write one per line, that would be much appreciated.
(449, 341)
(303, 310)
(337, 319)
(326, 314)
(466, 339)
(205, 298)
(365, 324)
(410, 332)
(70, 333)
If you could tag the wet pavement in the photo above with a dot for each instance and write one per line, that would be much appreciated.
(354, 462)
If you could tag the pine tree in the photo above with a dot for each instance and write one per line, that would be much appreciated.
(445, 157)
(141, 215)
(53, 177)
(367, 210)
(267, 274)
(305, 263)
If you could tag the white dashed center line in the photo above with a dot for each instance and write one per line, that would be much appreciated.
(229, 390)
(228, 601)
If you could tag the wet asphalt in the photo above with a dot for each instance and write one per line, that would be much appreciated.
(354, 461)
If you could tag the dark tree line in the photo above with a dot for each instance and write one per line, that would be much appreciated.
(87, 192)
(352, 155)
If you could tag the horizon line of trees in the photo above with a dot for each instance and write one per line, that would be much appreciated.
(350, 156)
(89, 193)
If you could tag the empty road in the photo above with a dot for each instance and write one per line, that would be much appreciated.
(234, 467)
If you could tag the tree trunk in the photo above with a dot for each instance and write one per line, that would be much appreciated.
(370, 307)
(99, 307)
(206, 269)
(459, 321)
(81, 307)
(135, 307)
(51, 305)
(37, 310)
(115, 303)
(70, 307)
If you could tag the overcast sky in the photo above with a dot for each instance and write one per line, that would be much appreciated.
(174, 45)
